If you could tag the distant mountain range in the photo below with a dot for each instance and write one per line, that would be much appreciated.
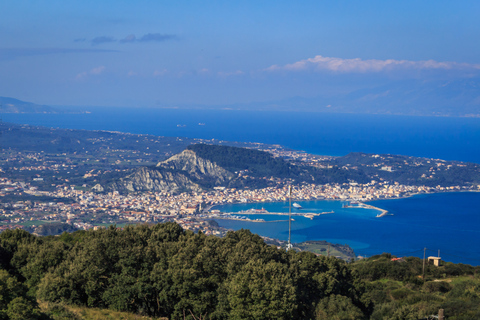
(459, 98)
(11, 105)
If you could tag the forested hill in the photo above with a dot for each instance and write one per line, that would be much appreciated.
(164, 271)
(204, 166)
(258, 163)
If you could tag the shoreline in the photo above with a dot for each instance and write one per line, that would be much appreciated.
(233, 215)
(363, 204)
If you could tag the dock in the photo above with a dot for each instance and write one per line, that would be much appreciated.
(382, 213)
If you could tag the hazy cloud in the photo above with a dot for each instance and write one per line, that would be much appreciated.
(158, 37)
(80, 40)
(102, 39)
(149, 37)
(357, 65)
(95, 71)
(229, 74)
(11, 53)
(159, 73)
(129, 38)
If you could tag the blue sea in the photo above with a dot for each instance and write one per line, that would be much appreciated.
(447, 222)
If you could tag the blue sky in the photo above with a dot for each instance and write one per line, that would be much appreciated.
(163, 53)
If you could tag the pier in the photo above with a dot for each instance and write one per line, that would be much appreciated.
(237, 215)
(382, 213)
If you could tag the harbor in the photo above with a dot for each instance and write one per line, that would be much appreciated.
(240, 215)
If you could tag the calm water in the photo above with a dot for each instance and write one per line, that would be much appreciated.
(449, 222)
(326, 134)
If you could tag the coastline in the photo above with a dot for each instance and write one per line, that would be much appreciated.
(363, 205)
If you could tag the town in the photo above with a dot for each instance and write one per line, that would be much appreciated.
(86, 209)
(60, 185)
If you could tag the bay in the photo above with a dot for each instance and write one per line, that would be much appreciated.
(317, 133)
(448, 222)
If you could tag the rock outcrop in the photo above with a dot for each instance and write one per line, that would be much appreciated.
(196, 167)
(182, 172)
(153, 179)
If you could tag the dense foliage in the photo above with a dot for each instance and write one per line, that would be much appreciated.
(261, 164)
(399, 292)
(164, 271)
(258, 163)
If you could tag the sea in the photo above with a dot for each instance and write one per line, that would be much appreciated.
(445, 224)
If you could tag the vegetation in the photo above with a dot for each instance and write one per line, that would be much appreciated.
(164, 271)
(344, 252)
(398, 290)
(258, 163)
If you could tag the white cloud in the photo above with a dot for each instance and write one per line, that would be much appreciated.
(94, 71)
(228, 74)
(159, 73)
(357, 65)
(97, 70)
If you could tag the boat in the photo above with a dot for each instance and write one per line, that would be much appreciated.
(296, 205)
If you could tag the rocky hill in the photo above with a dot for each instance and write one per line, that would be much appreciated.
(152, 179)
(203, 166)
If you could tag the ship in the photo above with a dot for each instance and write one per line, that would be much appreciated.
(296, 205)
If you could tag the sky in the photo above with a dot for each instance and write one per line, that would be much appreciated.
(167, 53)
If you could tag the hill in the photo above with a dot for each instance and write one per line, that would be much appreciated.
(203, 166)
(11, 105)
(409, 170)
(164, 271)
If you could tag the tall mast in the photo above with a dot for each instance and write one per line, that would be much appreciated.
(289, 245)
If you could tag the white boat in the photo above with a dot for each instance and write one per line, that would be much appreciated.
(296, 205)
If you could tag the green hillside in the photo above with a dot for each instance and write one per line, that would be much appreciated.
(164, 271)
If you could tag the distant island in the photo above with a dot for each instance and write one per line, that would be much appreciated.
(12, 105)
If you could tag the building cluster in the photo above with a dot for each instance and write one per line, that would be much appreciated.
(86, 209)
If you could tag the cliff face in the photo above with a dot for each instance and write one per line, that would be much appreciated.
(147, 179)
(196, 167)
(182, 172)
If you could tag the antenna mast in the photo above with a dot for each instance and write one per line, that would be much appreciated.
(289, 245)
